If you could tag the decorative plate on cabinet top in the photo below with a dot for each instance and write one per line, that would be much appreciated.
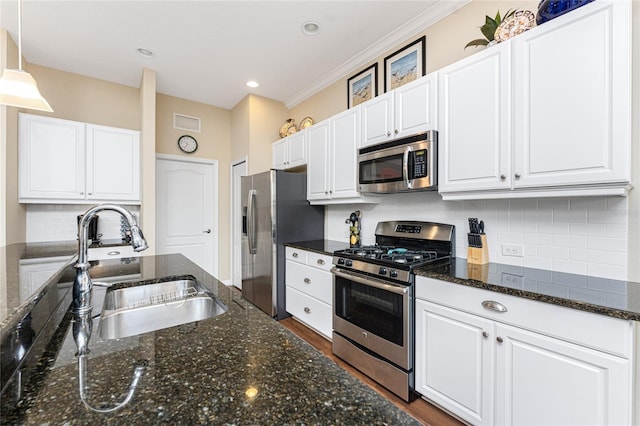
(305, 122)
(288, 128)
(515, 24)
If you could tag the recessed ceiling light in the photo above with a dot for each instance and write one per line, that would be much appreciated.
(310, 28)
(252, 84)
(144, 52)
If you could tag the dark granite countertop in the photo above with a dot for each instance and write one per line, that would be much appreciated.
(320, 246)
(614, 298)
(197, 373)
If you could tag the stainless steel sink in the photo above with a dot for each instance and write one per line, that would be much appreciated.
(144, 307)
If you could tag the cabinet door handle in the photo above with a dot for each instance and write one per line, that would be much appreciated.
(492, 305)
(82, 193)
(517, 175)
(294, 255)
(208, 231)
(396, 131)
(320, 261)
(388, 133)
(307, 281)
(499, 339)
(307, 310)
(485, 334)
(503, 177)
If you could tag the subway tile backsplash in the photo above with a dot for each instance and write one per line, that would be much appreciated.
(58, 222)
(586, 236)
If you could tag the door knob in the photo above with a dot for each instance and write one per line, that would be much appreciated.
(208, 231)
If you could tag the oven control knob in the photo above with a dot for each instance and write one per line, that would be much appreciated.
(341, 261)
(393, 273)
(382, 271)
(348, 263)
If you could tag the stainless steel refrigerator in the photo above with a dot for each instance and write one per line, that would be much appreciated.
(275, 211)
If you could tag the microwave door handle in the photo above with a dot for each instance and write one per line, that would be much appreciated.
(405, 167)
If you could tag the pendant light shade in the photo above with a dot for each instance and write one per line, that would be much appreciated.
(17, 87)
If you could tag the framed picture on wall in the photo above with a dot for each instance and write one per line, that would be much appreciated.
(362, 86)
(405, 65)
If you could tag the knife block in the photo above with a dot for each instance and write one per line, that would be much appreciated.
(479, 255)
(478, 272)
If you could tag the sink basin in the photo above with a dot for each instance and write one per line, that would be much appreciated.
(136, 308)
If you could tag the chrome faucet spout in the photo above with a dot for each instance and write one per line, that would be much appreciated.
(82, 285)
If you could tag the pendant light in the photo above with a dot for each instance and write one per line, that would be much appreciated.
(17, 87)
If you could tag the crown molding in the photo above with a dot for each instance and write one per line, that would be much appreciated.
(438, 11)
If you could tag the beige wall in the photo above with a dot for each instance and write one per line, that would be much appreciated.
(86, 99)
(255, 121)
(445, 41)
(148, 157)
(15, 213)
(240, 130)
(266, 117)
(214, 143)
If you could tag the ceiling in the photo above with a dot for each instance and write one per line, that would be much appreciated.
(205, 51)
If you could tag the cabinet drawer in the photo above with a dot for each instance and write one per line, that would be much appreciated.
(296, 255)
(310, 311)
(600, 332)
(321, 261)
(311, 281)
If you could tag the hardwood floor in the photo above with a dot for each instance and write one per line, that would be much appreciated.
(424, 412)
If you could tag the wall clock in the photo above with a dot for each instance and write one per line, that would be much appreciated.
(187, 144)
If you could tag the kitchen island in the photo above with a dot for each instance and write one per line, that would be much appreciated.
(241, 367)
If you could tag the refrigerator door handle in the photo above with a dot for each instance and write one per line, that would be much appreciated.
(251, 234)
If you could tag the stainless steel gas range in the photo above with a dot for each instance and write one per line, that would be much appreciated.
(373, 299)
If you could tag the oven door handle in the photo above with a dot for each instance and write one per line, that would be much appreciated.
(405, 167)
(372, 283)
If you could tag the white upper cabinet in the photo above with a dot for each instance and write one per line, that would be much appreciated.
(546, 113)
(113, 163)
(474, 129)
(63, 161)
(332, 175)
(572, 99)
(291, 151)
(405, 111)
(51, 158)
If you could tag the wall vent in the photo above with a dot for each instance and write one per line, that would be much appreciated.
(184, 122)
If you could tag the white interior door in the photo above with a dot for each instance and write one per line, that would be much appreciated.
(186, 210)
(237, 171)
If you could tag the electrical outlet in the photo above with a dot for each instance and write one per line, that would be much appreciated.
(510, 280)
(512, 250)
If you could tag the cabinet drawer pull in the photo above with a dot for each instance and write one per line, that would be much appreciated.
(294, 255)
(307, 310)
(499, 339)
(502, 177)
(307, 281)
(485, 334)
(517, 175)
(113, 253)
(492, 305)
(320, 261)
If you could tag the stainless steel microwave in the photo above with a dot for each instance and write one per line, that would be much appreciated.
(402, 165)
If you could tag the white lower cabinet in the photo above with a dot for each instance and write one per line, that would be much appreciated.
(309, 283)
(535, 363)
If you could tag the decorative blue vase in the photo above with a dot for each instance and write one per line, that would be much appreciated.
(549, 9)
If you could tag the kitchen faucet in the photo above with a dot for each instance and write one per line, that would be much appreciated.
(82, 307)
(82, 286)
